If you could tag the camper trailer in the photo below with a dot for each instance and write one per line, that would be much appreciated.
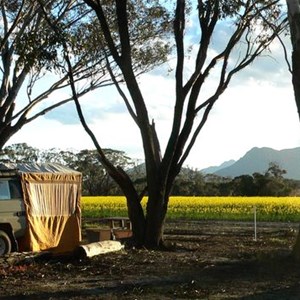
(39, 208)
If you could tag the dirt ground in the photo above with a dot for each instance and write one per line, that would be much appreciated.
(208, 260)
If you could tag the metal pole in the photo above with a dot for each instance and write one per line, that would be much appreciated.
(255, 226)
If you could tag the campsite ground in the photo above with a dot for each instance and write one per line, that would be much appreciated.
(208, 260)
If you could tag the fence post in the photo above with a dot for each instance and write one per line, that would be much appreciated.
(255, 225)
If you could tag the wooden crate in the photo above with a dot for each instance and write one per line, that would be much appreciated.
(98, 235)
(119, 234)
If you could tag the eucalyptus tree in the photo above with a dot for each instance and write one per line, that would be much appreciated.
(33, 73)
(96, 180)
(253, 26)
(29, 55)
(294, 22)
(20, 153)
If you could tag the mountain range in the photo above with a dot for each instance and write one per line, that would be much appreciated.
(258, 160)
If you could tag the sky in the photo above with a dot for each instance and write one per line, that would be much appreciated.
(257, 110)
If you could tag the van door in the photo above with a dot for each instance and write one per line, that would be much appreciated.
(12, 210)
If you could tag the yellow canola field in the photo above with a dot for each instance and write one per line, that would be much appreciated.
(225, 208)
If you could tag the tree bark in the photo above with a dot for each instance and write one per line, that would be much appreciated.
(296, 74)
(156, 214)
(294, 20)
(136, 216)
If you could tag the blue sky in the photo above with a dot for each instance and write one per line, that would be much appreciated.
(257, 110)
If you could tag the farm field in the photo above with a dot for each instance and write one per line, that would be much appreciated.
(283, 209)
(209, 258)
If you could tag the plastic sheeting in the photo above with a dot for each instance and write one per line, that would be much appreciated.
(52, 201)
(36, 168)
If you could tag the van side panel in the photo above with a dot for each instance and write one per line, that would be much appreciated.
(13, 212)
(12, 207)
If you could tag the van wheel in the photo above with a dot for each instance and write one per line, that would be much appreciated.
(5, 243)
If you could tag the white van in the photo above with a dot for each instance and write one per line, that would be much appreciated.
(39, 208)
(12, 212)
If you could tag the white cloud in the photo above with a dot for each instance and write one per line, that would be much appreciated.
(257, 110)
(254, 111)
(256, 114)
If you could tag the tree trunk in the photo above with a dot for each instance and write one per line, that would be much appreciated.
(296, 75)
(294, 20)
(136, 216)
(6, 132)
(296, 248)
(156, 214)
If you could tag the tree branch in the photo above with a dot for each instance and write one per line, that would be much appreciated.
(116, 83)
(9, 31)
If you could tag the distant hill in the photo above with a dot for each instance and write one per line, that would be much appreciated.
(211, 170)
(258, 159)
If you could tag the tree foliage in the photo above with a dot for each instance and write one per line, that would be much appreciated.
(20, 153)
(96, 181)
(33, 73)
(271, 183)
(189, 182)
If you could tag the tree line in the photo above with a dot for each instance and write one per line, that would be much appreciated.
(190, 182)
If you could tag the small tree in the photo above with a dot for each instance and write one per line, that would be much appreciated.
(244, 185)
(96, 180)
(251, 33)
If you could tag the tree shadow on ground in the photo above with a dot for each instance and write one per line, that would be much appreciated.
(284, 293)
